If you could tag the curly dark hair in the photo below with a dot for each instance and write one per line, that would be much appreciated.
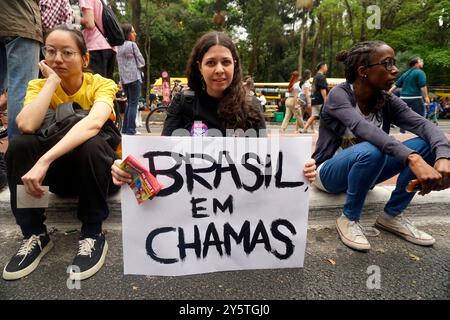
(235, 110)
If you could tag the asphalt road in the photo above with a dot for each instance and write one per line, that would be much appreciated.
(331, 271)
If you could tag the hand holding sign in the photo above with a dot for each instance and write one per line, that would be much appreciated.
(223, 207)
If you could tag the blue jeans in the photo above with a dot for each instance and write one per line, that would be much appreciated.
(133, 91)
(357, 169)
(19, 59)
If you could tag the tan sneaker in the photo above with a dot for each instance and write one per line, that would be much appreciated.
(405, 229)
(351, 234)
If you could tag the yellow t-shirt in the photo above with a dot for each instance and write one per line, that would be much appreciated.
(94, 89)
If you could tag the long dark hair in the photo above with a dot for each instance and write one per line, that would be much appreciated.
(126, 28)
(234, 110)
(305, 76)
(77, 36)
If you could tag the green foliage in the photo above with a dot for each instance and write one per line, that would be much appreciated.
(270, 50)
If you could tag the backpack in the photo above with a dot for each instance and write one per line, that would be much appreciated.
(112, 31)
(58, 122)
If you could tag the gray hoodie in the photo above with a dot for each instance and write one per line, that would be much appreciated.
(339, 113)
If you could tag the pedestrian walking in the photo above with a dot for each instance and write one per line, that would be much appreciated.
(319, 92)
(130, 60)
(413, 87)
(292, 104)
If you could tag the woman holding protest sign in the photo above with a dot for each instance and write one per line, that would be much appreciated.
(77, 164)
(355, 151)
(216, 103)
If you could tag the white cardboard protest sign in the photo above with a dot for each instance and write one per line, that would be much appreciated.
(226, 204)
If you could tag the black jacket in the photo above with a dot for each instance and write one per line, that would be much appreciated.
(187, 107)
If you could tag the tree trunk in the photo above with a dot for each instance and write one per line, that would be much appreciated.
(302, 42)
(253, 65)
(147, 50)
(350, 20)
(330, 45)
(362, 37)
(136, 15)
(317, 42)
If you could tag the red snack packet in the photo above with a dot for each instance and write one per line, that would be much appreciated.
(144, 185)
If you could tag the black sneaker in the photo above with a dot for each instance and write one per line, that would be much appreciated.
(27, 257)
(90, 257)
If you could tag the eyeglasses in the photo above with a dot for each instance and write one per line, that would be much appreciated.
(389, 64)
(66, 54)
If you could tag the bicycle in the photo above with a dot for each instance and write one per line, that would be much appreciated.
(156, 117)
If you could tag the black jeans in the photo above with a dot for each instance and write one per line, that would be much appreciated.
(103, 62)
(84, 172)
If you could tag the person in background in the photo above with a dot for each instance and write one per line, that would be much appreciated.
(121, 98)
(102, 55)
(433, 111)
(292, 104)
(262, 99)
(20, 41)
(304, 89)
(413, 87)
(319, 95)
(355, 152)
(55, 13)
(249, 86)
(129, 59)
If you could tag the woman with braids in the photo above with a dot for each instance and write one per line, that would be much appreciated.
(354, 151)
(216, 103)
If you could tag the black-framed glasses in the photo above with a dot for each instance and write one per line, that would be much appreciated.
(389, 64)
(66, 54)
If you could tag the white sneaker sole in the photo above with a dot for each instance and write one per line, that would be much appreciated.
(89, 273)
(24, 272)
(420, 242)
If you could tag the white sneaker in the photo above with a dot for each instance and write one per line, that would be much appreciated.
(351, 234)
(404, 228)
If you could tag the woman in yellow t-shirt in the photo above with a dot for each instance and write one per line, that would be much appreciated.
(79, 164)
